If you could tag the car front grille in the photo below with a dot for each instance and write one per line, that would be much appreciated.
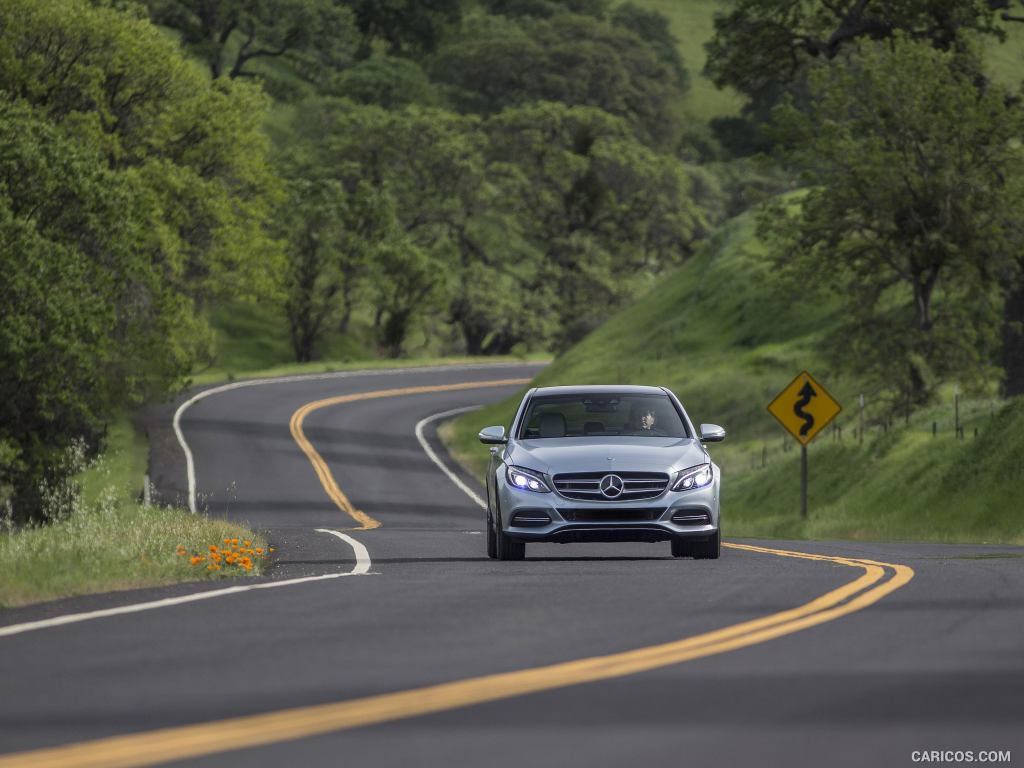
(618, 515)
(586, 486)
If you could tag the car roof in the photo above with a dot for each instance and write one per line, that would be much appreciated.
(599, 389)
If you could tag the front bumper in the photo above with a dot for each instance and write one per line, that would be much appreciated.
(529, 516)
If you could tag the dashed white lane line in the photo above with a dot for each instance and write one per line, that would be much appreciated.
(361, 568)
(432, 455)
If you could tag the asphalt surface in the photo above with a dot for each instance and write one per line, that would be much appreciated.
(938, 664)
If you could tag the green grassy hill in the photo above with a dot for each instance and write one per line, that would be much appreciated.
(726, 336)
(720, 331)
(251, 337)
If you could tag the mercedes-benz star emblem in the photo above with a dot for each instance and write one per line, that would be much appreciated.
(611, 486)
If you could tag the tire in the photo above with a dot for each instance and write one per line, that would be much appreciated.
(492, 539)
(708, 550)
(682, 548)
(506, 548)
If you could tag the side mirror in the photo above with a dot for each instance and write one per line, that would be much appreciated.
(493, 436)
(711, 433)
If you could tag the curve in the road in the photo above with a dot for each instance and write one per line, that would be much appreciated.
(877, 580)
(154, 747)
(432, 454)
(323, 472)
(190, 467)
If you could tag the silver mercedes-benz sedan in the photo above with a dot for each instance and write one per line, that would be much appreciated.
(602, 463)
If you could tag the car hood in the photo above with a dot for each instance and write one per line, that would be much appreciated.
(624, 454)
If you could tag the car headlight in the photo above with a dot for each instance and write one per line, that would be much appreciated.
(694, 477)
(526, 479)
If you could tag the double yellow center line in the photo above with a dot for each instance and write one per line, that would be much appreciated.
(876, 581)
(320, 466)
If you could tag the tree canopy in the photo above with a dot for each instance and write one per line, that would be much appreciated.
(760, 45)
(133, 187)
(230, 34)
(573, 59)
(915, 177)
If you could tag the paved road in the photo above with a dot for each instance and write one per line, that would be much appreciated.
(936, 664)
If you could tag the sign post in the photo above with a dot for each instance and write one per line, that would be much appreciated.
(803, 481)
(804, 408)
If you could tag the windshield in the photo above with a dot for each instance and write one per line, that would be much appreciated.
(602, 415)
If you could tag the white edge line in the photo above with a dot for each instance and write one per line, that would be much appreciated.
(363, 562)
(190, 469)
(361, 568)
(437, 460)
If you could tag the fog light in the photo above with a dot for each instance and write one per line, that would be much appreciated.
(531, 518)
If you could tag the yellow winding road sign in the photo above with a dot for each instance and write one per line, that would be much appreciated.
(804, 408)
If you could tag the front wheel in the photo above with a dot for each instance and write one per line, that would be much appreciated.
(682, 548)
(492, 539)
(708, 550)
(506, 548)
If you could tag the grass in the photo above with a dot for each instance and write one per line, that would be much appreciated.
(904, 484)
(726, 336)
(692, 22)
(250, 337)
(1006, 60)
(213, 376)
(105, 539)
(252, 343)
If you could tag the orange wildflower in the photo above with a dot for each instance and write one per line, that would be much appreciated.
(234, 541)
(196, 559)
(180, 550)
(212, 567)
(259, 550)
(227, 541)
(248, 543)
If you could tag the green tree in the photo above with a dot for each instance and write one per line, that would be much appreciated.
(115, 83)
(408, 281)
(573, 59)
(230, 34)
(652, 27)
(404, 26)
(85, 322)
(915, 182)
(132, 190)
(759, 45)
(764, 47)
(334, 242)
(387, 81)
(427, 165)
(606, 212)
(547, 8)
(312, 217)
